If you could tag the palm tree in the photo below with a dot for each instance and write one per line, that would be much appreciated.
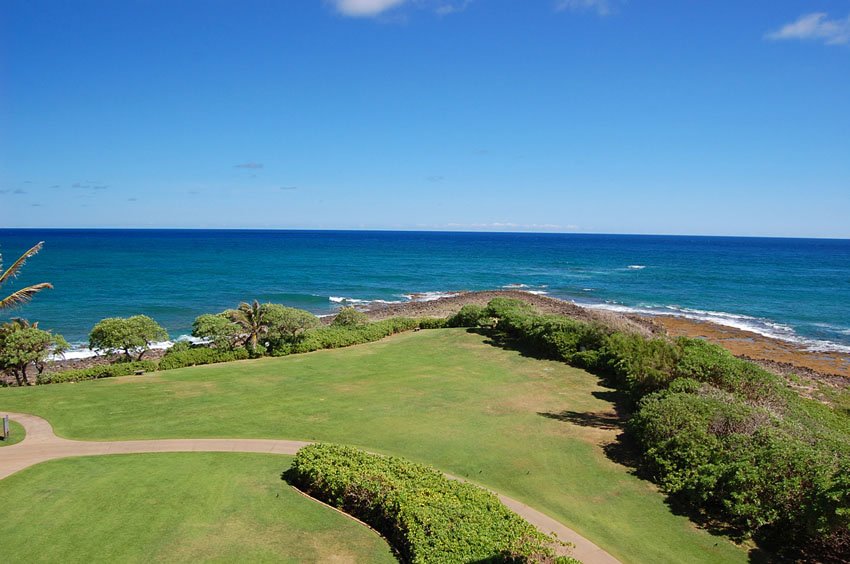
(23, 295)
(252, 319)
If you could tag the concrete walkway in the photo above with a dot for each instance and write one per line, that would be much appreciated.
(42, 444)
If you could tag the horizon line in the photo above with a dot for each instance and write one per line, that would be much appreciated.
(420, 230)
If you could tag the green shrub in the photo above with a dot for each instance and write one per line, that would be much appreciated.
(350, 317)
(433, 323)
(425, 516)
(721, 434)
(640, 366)
(97, 372)
(333, 337)
(470, 315)
(199, 355)
(218, 329)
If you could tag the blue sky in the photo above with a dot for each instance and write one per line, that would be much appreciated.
(614, 116)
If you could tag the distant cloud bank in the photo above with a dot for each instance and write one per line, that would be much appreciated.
(815, 27)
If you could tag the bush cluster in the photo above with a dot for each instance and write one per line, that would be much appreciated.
(179, 357)
(97, 372)
(425, 516)
(338, 336)
(722, 435)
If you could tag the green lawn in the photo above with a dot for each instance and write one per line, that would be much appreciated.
(173, 508)
(442, 397)
(17, 433)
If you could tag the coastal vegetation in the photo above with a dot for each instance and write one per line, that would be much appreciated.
(729, 442)
(24, 345)
(532, 429)
(173, 507)
(131, 336)
(426, 516)
(727, 439)
(23, 295)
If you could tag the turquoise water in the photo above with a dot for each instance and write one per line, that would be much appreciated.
(795, 289)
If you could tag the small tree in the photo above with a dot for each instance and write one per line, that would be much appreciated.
(350, 317)
(251, 319)
(131, 336)
(23, 345)
(217, 329)
(286, 323)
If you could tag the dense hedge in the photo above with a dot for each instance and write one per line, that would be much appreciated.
(425, 516)
(334, 336)
(97, 372)
(179, 358)
(725, 437)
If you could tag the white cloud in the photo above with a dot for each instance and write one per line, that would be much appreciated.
(815, 26)
(601, 7)
(365, 8)
(377, 8)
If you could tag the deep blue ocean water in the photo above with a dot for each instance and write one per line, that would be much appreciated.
(796, 289)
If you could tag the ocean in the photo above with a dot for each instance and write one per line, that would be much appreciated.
(792, 289)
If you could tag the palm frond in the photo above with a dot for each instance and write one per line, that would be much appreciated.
(13, 270)
(23, 295)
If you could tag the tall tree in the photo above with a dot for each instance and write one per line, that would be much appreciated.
(24, 294)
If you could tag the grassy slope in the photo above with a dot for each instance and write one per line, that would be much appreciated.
(173, 507)
(17, 433)
(441, 397)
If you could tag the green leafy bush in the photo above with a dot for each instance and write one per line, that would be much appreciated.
(350, 317)
(425, 516)
(470, 315)
(433, 323)
(97, 372)
(199, 355)
(333, 337)
(721, 434)
(217, 329)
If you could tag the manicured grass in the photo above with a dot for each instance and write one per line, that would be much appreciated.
(17, 434)
(192, 507)
(441, 397)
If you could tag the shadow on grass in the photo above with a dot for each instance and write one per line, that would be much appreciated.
(623, 449)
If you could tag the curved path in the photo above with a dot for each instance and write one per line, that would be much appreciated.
(42, 444)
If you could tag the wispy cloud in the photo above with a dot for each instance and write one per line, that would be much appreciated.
(377, 8)
(250, 165)
(447, 8)
(510, 226)
(601, 7)
(814, 27)
(365, 8)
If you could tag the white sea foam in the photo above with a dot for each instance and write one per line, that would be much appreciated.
(636, 267)
(537, 290)
(81, 350)
(764, 327)
(429, 296)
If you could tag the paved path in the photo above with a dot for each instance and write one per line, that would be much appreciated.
(42, 444)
